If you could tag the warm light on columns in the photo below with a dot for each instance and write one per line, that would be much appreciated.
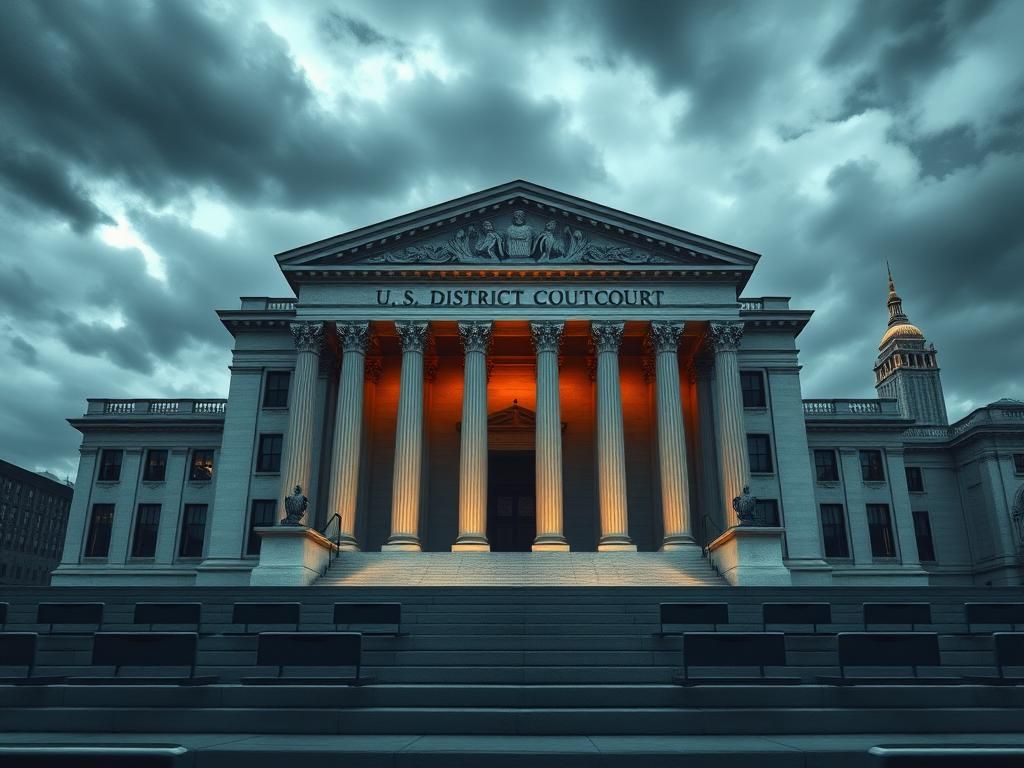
(298, 447)
(473, 446)
(611, 453)
(547, 336)
(733, 463)
(405, 490)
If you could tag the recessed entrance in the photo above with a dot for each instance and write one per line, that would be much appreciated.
(511, 500)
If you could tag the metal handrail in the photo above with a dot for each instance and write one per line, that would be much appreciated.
(337, 540)
(704, 532)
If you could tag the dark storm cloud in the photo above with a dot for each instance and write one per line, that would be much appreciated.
(24, 351)
(338, 27)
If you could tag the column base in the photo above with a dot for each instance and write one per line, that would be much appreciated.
(402, 543)
(471, 543)
(616, 542)
(677, 542)
(550, 543)
(348, 544)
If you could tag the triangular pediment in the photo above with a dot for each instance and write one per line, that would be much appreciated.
(513, 417)
(518, 225)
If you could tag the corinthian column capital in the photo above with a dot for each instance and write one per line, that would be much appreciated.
(476, 337)
(664, 336)
(606, 335)
(546, 335)
(726, 337)
(413, 335)
(309, 337)
(353, 337)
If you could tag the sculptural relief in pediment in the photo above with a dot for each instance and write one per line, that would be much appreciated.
(520, 238)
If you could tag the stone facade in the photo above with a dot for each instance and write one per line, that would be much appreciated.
(520, 369)
(33, 523)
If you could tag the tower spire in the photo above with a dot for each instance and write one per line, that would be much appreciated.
(895, 303)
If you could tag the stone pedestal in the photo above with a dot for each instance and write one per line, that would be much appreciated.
(750, 556)
(290, 556)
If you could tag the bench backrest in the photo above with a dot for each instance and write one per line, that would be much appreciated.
(367, 613)
(994, 613)
(1009, 648)
(145, 649)
(889, 649)
(70, 613)
(694, 613)
(18, 649)
(897, 613)
(3, 614)
(309, 649)
(266, 613)
(167, 613)
(734, 649)
(796, 613)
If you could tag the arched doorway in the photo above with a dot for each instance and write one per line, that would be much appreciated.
(511, 479)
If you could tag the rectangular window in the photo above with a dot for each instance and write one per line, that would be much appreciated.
(826, 467)
(201, 468)
(833, 531)
(1018, 463)
(923, 534)
(766, 512)
(147, 521)
(269, 457)
(759, 451)
(97, 543)
(110, 465)
(275, 389)
(156, 465)
(262, 514)
(880, 529)
(915, 479)
(752, 383)
(871, 466)
(193, 530)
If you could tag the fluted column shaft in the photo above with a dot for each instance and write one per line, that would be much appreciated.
(547, 337)
(405, 493)
(473, 449)
(348, 431)
(733, 464)
(675, 500)
(298, 445)
(611, 453)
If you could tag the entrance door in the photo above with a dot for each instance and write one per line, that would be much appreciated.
(511, 498)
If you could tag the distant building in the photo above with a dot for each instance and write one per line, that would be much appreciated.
(33, 520)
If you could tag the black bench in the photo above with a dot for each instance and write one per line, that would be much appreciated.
(18, 649)
(888, 649)
(70, 613)
(692, 614)
(796, 614)
(94, 755)
(265, 613)
(3, 616)
(369, 615)
(1009, 652)
(309, 649)
(152, 614)
(1003, 614)
(947, 756)
(144, 649)
(734, 649)
(896, 614)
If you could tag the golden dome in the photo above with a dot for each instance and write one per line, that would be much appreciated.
(901, 331)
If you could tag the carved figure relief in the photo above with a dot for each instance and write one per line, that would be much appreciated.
(520, 241)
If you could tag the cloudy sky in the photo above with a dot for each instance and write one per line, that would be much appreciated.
(153, 157)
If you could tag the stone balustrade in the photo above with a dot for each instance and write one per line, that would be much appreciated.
(151, 407)
(850, 408)
(994, 416)
(268, 304)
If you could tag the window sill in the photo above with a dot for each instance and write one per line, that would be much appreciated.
(755, 408)
(107, 482)
(770, 473)
(829, 483)
(918, 493)
(141, 559)
(278, 408)
(267, 474)
(874, 483)
(839, 560)
(885, 560)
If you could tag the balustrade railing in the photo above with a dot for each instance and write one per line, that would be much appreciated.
(749, 305)
(844, 407)
(177, 407)
(278, 304)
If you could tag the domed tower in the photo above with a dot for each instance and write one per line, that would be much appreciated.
(906, 368)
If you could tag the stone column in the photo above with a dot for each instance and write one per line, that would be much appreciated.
(296, 465)
(473, 449)
(405, 493)
(611, 453)
(675, 483)
(733, 462)
(348, 432)
(708, 486)
(547, 336)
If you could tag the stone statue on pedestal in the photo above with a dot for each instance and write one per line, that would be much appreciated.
(295, 507)
(744, 507)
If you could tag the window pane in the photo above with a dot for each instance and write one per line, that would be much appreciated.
(156, 465)
(825, 465)
(110, 465)
(752, 383)
(193, 529)
(880, 529)
(202, 465)
(97, 543)
(833, 529)
(269, 457)
(915, 480)
(262, 515)
(923, 534)
(275, 391)
(766, 512)
(146, 525)
(871, 465)
(1018, 463)
(759, 453)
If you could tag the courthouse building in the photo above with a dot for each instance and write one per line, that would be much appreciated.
(521, 370)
